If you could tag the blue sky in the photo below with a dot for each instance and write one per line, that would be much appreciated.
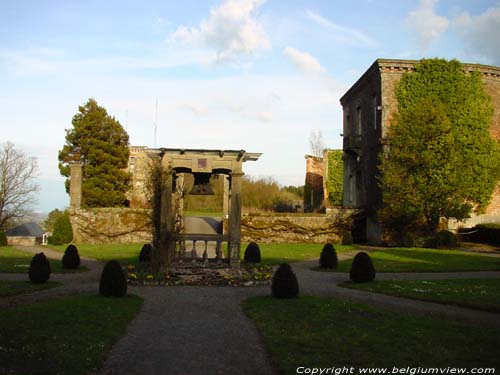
(234, 74)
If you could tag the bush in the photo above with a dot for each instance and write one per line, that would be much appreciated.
(446, 239)
(362, 269)
(482, 233)
(63, 233)
(252, 253)
(284, 283)
(328, 257)
(71, 258)
(408, 240)
(39, 271)
(347, 238)
(113, 282)
(3, 238)
(145, 254)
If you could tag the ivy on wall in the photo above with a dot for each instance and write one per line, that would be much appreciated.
(335, 177)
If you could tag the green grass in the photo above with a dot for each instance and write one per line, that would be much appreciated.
(322, 332)
(483, 294)
(426, 260)
(16, 261)
(64, 336)
(125, 254)
(13, 288)
(276, 253)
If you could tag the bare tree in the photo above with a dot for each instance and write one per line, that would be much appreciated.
(316, 143)
(17, 186)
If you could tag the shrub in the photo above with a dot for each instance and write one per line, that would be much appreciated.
(362, 269)
(252, 253)
(347, 238)
(446, 239)
(39, 271)
(63, 233)
(408, 240)
(284, 283)
(113, 282)
(328, 257)
(482, 233)
(71, 258)
(3, 238)
(145, 254)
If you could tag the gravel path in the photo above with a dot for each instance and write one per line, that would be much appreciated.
(203, 330)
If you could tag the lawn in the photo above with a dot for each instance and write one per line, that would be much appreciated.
(324, 333)
(427, 260)
(125, 254)
(64, 336)
(481, 294)
(276, 253)
(13, 288)
(16, 261)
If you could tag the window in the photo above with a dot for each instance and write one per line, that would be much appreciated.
(359, 125)
(374, 104)
(352, 188)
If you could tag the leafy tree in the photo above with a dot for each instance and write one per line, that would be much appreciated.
(52, 217)
(442, 160)
(17, 186)
(335, 179)
(62, 232)
(103, 146)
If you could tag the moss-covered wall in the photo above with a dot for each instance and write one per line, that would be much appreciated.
(111, 225)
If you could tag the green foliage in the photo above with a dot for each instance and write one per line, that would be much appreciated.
(71, 258)
(265, 194)
(113, 282)
(408, 240)
(252, 253)
(362, 269)
(52, 217)
(328, 257)
(488, 233)
(335, 177)
(347, 238)
(442, 160)
(103, 146)
(39, 271)
(62, 232)
(3, 238)
(284, 283)
(446, 239)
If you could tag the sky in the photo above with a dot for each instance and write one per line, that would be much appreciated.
(234, 74)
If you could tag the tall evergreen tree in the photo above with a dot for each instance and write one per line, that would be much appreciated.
(103, 146)
(442, 160)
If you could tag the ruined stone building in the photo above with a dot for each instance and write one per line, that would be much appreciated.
(368, 108)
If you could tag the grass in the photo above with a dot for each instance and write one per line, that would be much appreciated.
(483, 294)
(427, 260)
(13, 288)
(65, 336)
(323, 333)
(16, 261)
(276, 253)
(125, 254)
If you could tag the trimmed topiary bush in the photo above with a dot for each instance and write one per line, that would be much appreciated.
(113, 282)
(446, 239)
(252, 253)
(284, 283)
(3, 239)
(39, 271)
(328, 257)
(145, 254)
(347, 238)
(362, 269)
(71, 258)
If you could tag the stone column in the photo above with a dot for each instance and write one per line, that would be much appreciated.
(225, 197)
(235, 220)
(167, 244)
(75, 185)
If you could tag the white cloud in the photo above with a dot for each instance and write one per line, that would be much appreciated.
(427, 25)
(481, 33)
(303, 60)
(265, 116)
(341, 33)
(195, 108)
(232, 29)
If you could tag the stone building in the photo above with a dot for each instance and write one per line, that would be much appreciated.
(138, 167)
(368, 108)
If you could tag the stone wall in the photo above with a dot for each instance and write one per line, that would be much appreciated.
(111, 225)
(296, 228)
(23, 241)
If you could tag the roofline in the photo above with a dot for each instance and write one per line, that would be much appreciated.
(410, 65)
(247, 156)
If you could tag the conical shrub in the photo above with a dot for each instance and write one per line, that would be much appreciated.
(362, 269)
(252, 253)
(284, 283)
(71, 258)
(328, 258)
(39, 271)
(145, 254)
(113, 282)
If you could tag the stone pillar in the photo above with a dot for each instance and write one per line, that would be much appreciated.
(75, 185)
(225, 198)
(167, 244)
(235, 220)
